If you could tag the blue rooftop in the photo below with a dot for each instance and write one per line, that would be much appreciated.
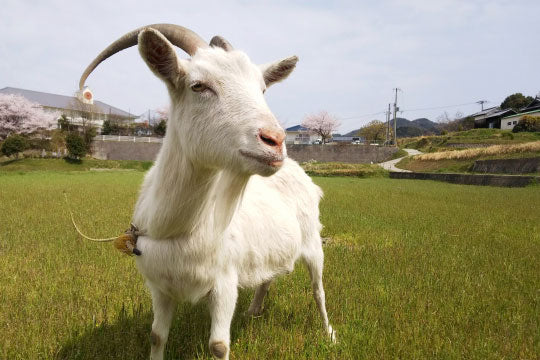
(296, 128)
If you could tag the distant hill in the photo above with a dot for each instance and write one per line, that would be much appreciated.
(409, 128)
(417, 127)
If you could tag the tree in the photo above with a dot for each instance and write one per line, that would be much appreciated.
(75, 145)
(108, 128)
(88, 136)
(163, 113)
(516, 101)
(58, 141)
(448, 123)
(373, 131)
(13, 145)
(161, 128)
(19, 115)
(322, 124)
(64, 123)
(82, 113)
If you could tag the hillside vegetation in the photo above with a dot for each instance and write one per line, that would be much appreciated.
(475, 153)
(469, 138)
(463, 160)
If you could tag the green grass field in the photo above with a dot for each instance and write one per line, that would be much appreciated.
(414, 270)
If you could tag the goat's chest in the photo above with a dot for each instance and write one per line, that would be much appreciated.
(179, 268)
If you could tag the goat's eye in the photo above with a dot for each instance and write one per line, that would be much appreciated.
(198, 87)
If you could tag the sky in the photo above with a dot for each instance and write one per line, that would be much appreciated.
(444, 55)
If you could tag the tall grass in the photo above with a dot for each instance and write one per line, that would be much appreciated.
(413, 269)
(473, 153)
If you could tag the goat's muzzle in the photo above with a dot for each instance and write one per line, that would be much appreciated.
(272, 138)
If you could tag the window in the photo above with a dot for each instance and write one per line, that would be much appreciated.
(515, 122)
(509, 123)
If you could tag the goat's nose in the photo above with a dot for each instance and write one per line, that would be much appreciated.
(272, 138)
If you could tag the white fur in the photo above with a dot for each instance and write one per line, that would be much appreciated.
(217, 220)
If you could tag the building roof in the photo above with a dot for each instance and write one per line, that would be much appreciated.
(493, 112)
(501, 113)
(523, 113)
(535, 104)
(485, 111)
(297, 128)
(61, 101)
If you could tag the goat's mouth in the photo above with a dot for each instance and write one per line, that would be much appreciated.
(272, 160)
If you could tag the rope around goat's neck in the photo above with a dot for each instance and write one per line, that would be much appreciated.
(79, 231)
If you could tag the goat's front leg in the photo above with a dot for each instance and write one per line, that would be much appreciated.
(222, 303)
(163, 307)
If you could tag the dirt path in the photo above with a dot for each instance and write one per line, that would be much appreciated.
(391, 165)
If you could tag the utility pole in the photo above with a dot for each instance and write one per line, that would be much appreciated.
(396, 108)
(387, 126)
(482, 102)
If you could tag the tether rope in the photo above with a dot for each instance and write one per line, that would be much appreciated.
(77, 228)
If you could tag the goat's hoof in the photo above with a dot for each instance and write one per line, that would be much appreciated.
(255, 312)
(332, 334)
(218, 349)
(154, 339)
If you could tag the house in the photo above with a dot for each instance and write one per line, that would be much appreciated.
(151, 117)
(81, 110)
(347, 139)
(533, 109)
(300, 135)
(491, 117)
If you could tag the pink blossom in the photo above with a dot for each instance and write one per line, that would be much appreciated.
(322, 124)
(20, 115)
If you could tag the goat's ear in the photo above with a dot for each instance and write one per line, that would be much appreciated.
(160, 56)
(279, 70)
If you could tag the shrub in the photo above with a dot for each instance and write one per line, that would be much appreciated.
(39, 144)
(160, 128)
(528, 123)
(64, 124)
(110, 128)
(88, 136)
(75, 145)
(13, 145)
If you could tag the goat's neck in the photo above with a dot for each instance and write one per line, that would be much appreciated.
(185, 199)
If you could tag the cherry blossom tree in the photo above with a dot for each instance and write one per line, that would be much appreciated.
(163, 113)
(18, 115)
(322, 124)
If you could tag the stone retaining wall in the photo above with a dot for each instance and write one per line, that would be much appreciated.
(508, 166)
(356, 154)
(126, 150)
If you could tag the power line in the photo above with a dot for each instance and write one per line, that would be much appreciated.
(363, 116)
(408, 110)
(438, 107)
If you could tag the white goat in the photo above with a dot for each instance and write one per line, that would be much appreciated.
(222, 207)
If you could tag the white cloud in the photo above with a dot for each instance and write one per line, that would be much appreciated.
(351, 54)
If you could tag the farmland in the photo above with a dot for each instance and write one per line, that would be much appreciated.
(414, 269)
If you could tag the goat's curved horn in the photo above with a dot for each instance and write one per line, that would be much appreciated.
(218, 41)
(180, 36)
